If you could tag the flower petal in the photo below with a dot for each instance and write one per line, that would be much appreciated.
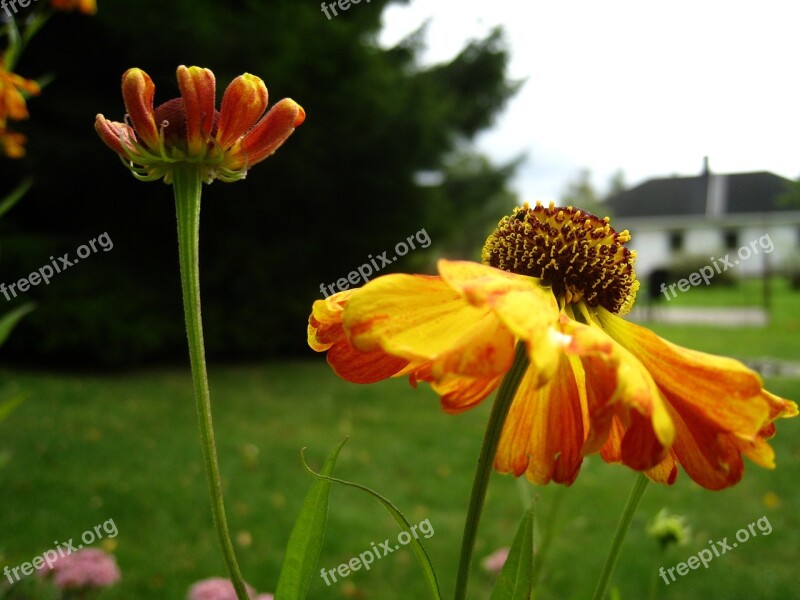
(617, 385)
(138, 91)
(113, 133)
(458, 394)
(712, 459)
(198, 90)
(665, 472)
(270, 132)
(543, 433)
(526, 308)
(243, 103)
(326, 332)
(421, 318)
(12, 143)
(721, 391)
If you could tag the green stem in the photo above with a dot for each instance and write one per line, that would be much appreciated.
(622, 530)
(187, 186)
(484, 470)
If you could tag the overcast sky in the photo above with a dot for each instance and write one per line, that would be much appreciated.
(649, 88)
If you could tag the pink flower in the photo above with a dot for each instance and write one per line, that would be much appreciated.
(84, 569)
(216, 588)
(495, 561)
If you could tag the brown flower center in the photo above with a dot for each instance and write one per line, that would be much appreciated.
(579, 255)
(172, 116)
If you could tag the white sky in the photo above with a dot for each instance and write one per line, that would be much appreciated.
(647, 87)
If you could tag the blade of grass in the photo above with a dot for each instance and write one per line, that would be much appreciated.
(416, 546)
(516, 577)
(308, 533)
(9, 320)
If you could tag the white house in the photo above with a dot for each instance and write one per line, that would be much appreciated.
(735, 220)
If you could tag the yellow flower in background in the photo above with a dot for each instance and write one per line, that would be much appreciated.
(88, 7)
(189, 130)
(12, 143)
(13, 93)
(557, 279)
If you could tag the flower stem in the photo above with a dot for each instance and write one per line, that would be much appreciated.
(619, 536)
(490, 441)
(188, 187)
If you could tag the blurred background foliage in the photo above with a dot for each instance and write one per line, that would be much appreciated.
(385, 151)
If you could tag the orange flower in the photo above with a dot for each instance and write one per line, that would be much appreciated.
(13, 91)
(12, 143)
(189, 130)
(88, 7)
(556, 279)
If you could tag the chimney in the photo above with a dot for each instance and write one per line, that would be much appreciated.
(706, 170)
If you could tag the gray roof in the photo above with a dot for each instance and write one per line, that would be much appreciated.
(706, 195)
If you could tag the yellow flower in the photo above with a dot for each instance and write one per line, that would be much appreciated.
(189, 130)
(88, 7)
(13, 91)
(12, 143)
(558, 280)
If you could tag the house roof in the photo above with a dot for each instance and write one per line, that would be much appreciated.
(705, 195)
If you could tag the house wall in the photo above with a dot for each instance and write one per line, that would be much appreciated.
(757, 247)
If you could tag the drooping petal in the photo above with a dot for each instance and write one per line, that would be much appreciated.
(543, 434)
(421, 318)
(326, 332)
(779, 407)
(665, 472)
(243, 103)
(270, 132)
(458, 394)
(526, 308)
(722, 391)
(710, 458)
(114, 134)
(198, 90)
(138, 91)
(617, 385)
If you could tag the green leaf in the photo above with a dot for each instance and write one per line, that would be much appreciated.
(308, 533)
(9, 320)
(516, 578)
(7, 407)
(9, 201)
(416, 546)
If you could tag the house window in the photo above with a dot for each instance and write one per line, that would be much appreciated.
(731, 239)
(676, 241)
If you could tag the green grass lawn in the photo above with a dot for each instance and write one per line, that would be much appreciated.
(779, 339)
(83, 449)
